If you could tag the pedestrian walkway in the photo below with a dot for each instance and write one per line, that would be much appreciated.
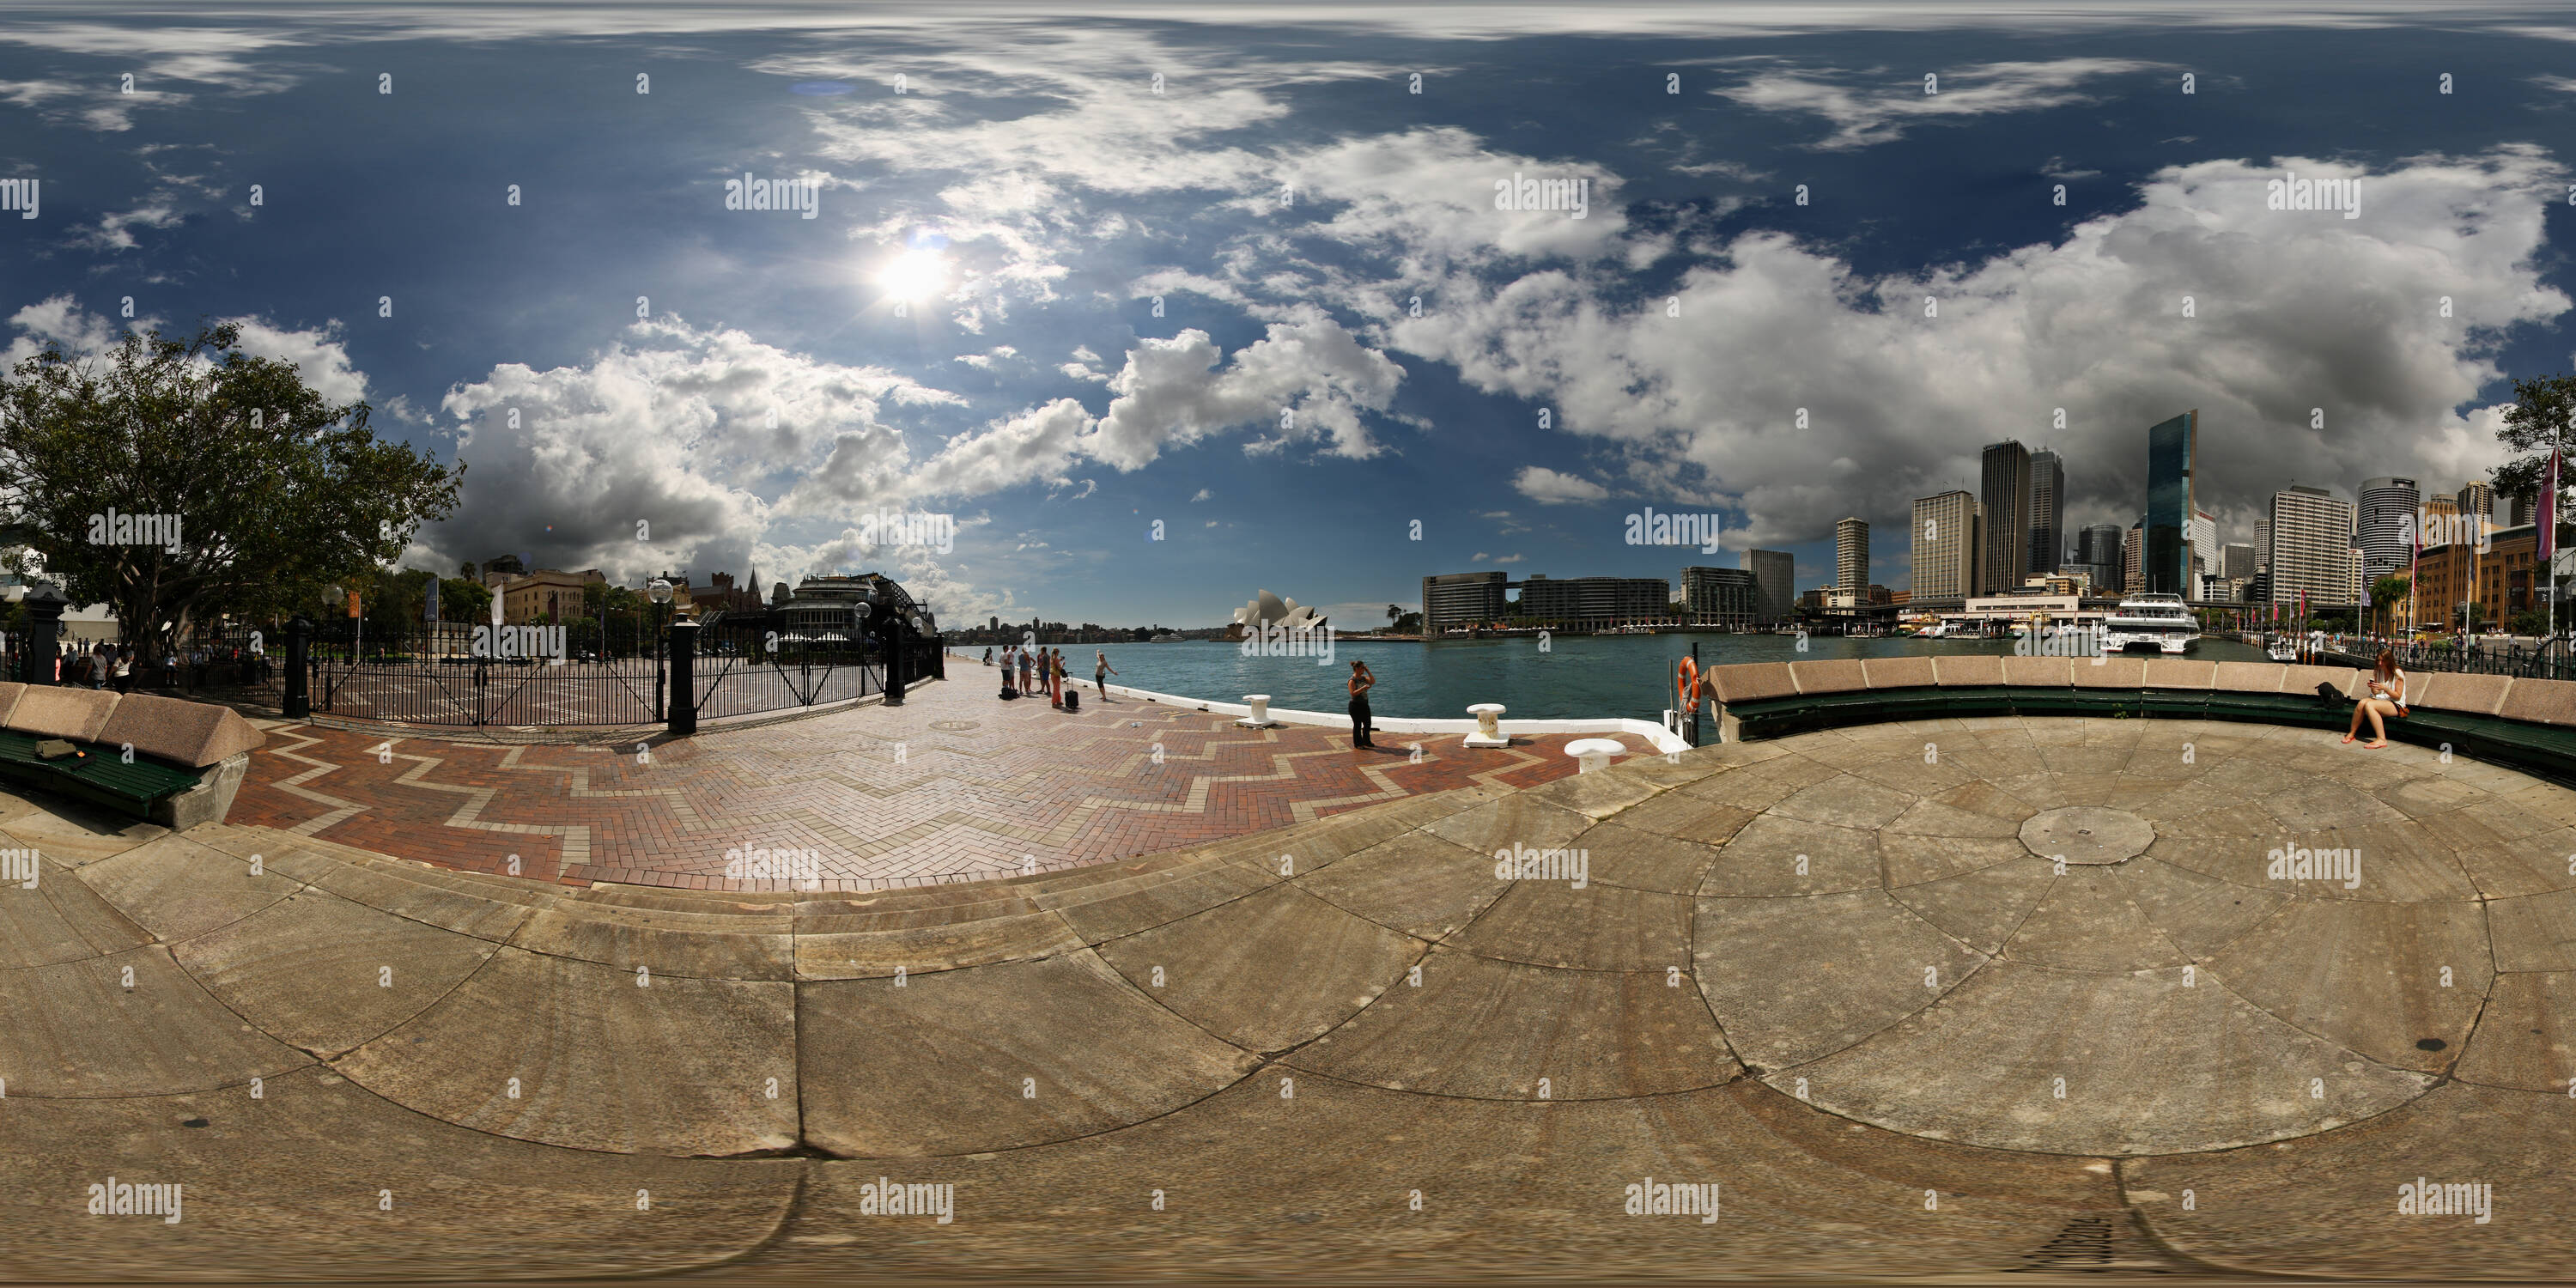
(953, 785)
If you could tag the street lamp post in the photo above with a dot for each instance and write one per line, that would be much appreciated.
(659, 591)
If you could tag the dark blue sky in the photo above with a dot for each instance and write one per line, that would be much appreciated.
(1032, 391)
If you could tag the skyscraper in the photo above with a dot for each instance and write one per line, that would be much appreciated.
(2047, 511)
(2311, 541)
(2097, 547)
(2133, 559)
(1944, 538)
(1851, 557)
(2237, 560)
(2477, 499)
(2388, 506)
(2263, 543)
(2171, 504)
(2204, 549)
(2005, 498)
(1775, 574)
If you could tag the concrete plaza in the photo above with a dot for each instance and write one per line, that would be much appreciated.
(1841, 978)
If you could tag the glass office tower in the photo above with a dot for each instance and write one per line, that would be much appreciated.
(2166, 565)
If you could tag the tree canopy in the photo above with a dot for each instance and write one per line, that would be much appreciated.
(251, 489)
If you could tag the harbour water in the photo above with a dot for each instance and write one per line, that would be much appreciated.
(1576, 677)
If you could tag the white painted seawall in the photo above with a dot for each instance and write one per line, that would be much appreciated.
(1655, 736)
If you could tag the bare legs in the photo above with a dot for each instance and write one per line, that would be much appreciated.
(2374, 708)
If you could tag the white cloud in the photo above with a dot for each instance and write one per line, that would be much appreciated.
(1549, 487)
(2295, 310)
(1878, 115)
(669, 426)
(1203, 494)
(319, 355)
(1172, 393)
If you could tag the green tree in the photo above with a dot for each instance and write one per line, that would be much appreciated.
(2384, 593)
(271, 489)
(465, 601)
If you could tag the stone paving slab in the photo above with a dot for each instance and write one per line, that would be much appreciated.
(1289, 1086)
(287, 1187)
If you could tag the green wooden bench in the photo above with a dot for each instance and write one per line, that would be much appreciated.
(2528, 725)
(173, 762)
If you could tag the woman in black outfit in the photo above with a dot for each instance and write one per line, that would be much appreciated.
(1361, 682)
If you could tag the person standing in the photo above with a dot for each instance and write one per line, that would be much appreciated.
(1055, 678)
(1101, 670)
(125, 670)
(988, 657)
(1361, 683)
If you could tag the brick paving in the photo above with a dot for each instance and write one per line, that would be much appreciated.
(953, 785)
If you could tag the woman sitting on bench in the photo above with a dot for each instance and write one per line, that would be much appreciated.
(2387, 698)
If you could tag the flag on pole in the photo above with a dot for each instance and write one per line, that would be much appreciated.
(2548, 534)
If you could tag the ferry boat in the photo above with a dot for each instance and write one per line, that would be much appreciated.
(2283, 649)
(2158, 623)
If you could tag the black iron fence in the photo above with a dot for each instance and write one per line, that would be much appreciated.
(586, 675)
(2523, 659)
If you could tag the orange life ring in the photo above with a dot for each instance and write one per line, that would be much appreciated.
(1688, 688)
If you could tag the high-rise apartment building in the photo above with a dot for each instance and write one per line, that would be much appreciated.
(1944, 539)
(2477, 499)
(2171, 504)
(1851, 557)
(2004, 494)
(2237, 562)
(2311, 547)
(2204, 549)
(2262, 543)
(1462, 599)
(2388, 507)
(1776, 573)
(1720, 596)
(2133, 559)
(2047, 511)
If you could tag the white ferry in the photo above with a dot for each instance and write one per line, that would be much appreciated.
(2156, 622)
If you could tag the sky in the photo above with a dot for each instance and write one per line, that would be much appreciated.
(1165, 305)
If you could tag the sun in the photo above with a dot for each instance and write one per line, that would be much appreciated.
(914, 275)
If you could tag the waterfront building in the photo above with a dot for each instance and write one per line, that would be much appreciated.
(2004, 492)
(2099, 551)
(1463, 599)
(2047, 511)
(1776, 572)
(1593, 603)
(2311, 547)
(2171, 503)
(1945, 539)
(2388, 506)
(2238, 560)
(2498, 579)
(1851, 556)
(2133, 559)
(1719, 596)
(2478, 499)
